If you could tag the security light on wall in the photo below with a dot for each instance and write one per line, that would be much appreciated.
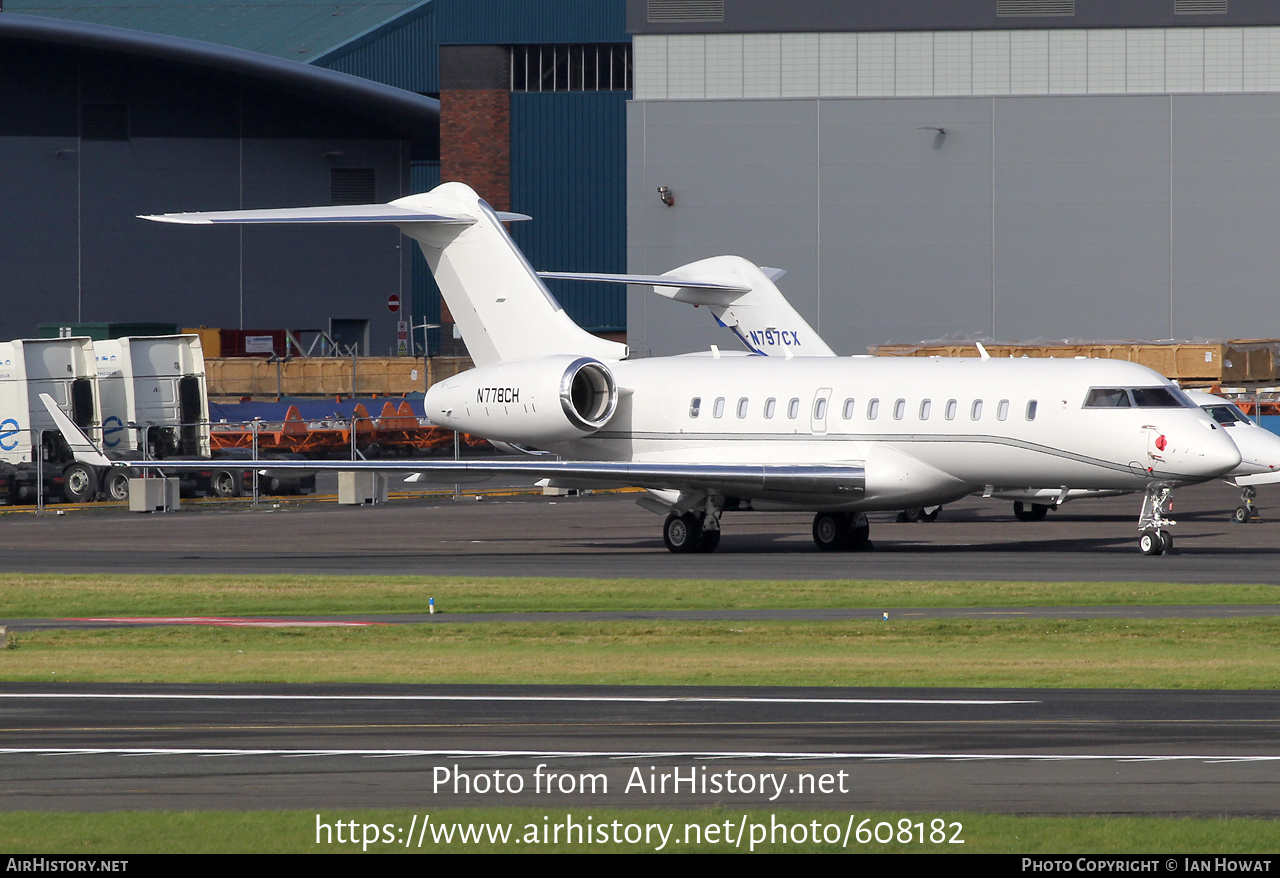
(664, 193)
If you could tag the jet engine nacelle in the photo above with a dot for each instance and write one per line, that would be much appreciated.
(531, 402)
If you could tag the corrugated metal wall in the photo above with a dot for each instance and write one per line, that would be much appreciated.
(405, 52)
(568, 171)
(568, 155)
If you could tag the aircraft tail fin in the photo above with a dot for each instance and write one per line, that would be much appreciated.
(741, 296)
(500, 304)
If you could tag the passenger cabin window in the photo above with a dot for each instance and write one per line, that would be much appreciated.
(769, 405)
(717, 410)
(820, 409)
(1002, 410)
(1031, 410)
(950, 413)
(899, 409)
(742, 407)
(975, 412)
(925, 405)
(873, 409)
(848, 410)
(695, 406)
(793, 409)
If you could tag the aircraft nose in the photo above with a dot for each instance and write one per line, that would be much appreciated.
(1218, 456)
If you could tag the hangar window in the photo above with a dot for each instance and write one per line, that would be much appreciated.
(769, 405)
(848, 410)
(104, 121)
(584, 67)
(352, 186)
(695, 406)
(717, 410)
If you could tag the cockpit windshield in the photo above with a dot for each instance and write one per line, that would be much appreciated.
(1226, 414)
(1139, 397)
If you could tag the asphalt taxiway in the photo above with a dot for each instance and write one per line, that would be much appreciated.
(1026, 751)
(78, 747)
(607, 535)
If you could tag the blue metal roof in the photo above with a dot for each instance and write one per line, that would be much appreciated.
(297, 29)
(417, 115)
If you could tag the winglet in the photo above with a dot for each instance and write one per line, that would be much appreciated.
(81, 445)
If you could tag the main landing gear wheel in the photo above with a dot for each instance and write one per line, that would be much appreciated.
(685, 533)
(1241, 515)
(1037, 512)
(841, 532)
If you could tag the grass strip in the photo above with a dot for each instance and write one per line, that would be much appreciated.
(58, 595)
(144, 832)
(1238, 653)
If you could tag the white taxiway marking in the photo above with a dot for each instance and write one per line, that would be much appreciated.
(643, 699)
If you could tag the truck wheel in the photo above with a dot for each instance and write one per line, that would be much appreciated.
(116, 485)
(81, 483)
(225, 483)
(8, 485)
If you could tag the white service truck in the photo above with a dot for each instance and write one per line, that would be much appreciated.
(31, 448)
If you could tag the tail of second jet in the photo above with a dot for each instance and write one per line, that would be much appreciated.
(740, 295)
(500, 304)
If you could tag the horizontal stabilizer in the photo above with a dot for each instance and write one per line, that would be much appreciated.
(348, 213)
(699, 292)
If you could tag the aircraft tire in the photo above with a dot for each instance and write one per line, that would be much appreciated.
(1039, 512)
(1166, 542)
(1241, 515)
(932, 516)
(81, 484)
(1150, 542)
(1020, 511)
(709, 541)
(912, 515)
(682, 533)
(115, 486)
(830, 531)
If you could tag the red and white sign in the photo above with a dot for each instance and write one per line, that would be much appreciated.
(393, 303)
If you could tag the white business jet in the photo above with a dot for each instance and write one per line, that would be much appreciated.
(766, 322)
(704, 433)
(1259, 451)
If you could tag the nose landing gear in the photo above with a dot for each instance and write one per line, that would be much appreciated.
(1154, 538)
